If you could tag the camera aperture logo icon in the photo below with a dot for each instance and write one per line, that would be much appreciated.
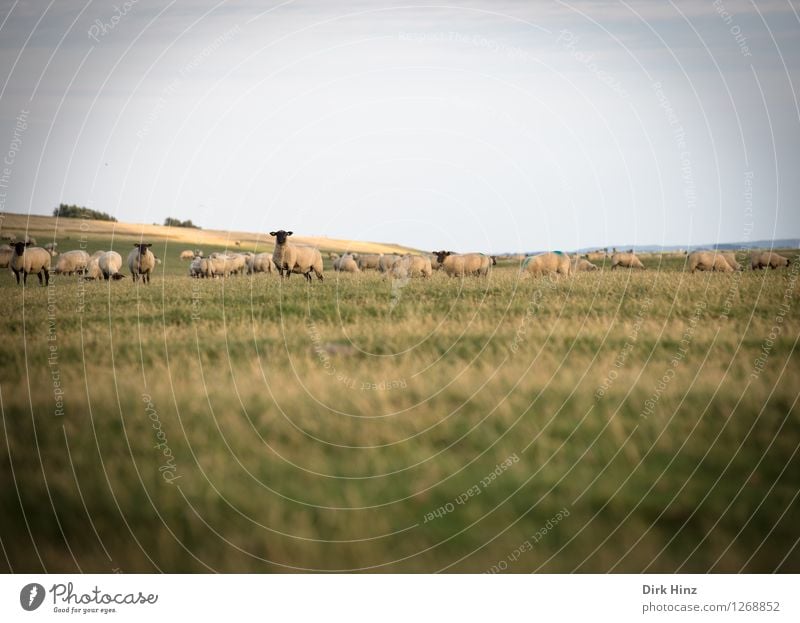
(31, 596)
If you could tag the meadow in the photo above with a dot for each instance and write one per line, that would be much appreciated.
(621, 421)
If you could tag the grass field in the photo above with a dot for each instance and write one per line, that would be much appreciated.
(617, 421)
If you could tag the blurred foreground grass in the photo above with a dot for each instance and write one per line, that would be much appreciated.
(248, 425)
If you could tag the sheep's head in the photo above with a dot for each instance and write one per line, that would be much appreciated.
(19, 247)
(440, 255)
(142, 246)
(280, 235)
(494, 260)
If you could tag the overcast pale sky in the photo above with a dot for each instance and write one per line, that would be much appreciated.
(492, 125)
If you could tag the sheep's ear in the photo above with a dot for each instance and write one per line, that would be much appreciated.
(273, 233)
(149, 244)
(289, 233)
(28, 243)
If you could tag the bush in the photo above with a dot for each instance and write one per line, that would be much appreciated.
(73, 211)
(174, 222)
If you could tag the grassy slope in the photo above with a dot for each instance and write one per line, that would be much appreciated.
(70, 233)
(316, 427)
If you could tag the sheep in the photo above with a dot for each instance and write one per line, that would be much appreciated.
(195, 266)
(333, 256)
(216, 265)
(387, 261)
(96, 255)
(411, 266)
(28, 259)
(580, 265)
(555, 263)
(596, 256)
(236, 263)
(110, 263)
(730, 257)
(762, 259)
(5, 255)
(93, 269)
(141, 261)
(346, 264)
(708, 260)
(187, 254)
(370, 261)
(292, 258)
(261, 263)
(71, 262)
(456, 265)
(626, 260)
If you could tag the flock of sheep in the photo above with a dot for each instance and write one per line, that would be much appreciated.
(23, 258)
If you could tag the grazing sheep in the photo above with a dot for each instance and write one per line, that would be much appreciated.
(730, 257)
(370, 261)
(292, 258)
(708, 260)
(412, 266)
(237, 263)
(110, 263)
(333, 256)
(71, 262)
(187, 255)
(555, 263)
(5, 255)
(262, 263)
(762, 259)
(93, 269)
(386, 261)
(626, 260)
(596, 256)
(346, 264)
(456, 265)
(582, 265)
(141, 261)
(28, 259)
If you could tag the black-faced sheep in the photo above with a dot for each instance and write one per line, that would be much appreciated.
(293, 258)
(27, 260)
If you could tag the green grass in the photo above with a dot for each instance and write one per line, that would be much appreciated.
(316, 426)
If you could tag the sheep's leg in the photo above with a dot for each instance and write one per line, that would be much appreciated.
(24, 278)
(16, 274)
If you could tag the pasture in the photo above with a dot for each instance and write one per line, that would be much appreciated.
(620, 421)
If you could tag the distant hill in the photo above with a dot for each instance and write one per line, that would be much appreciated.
(783, 243)
(47, 228)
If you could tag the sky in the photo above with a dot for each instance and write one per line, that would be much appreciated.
(471, 125)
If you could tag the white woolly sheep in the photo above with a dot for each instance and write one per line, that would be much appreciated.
(707, 260)
(411, 266)
(262, 263)
(141, 261)
(387, 261)
(187, 254)
(72, 262)
(582, 265)
(763, 259)
(368, 261)
(27, 260)
(456, 265)
(555, 263)
(346, 264)
(110, 264)
(5, 256)
(626, 260)
(730, 257)
(293, 258)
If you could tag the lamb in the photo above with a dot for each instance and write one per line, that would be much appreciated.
(581, 265)
(5, 255)
(708, 260)
(187, 254)
(110, 263)
(28, 259)
(71, 262)
(626, 260)
(292, 258)
(555, 263)
(346, 264)
(411, 266)
(141, 261)
(262, 263)
(387, 261)
(370, 261)
(762, 259)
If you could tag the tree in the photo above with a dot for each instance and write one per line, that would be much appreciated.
(73, 211)
(174, 222)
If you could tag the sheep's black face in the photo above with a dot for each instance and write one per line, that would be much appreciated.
(440, 255)
(142, 247)
(19, 247)
(280, 235)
